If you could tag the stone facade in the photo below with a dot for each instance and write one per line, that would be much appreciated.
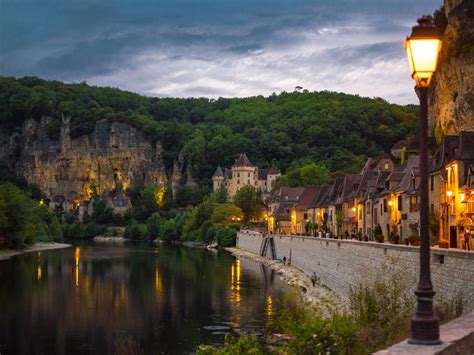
(244, 173)
(344, 264)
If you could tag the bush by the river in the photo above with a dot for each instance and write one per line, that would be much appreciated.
(232, 345)
(378, 317)
(24, 221)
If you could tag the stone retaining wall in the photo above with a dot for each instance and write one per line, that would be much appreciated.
(342, 264)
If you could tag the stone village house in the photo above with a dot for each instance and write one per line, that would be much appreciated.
(386, 193)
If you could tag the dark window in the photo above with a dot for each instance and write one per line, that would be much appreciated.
(385, 205)
(400, 203)
(249, 174)
(305, 216)
(238, 182)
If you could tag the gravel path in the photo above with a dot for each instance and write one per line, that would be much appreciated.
(36, 247)
(318, 297)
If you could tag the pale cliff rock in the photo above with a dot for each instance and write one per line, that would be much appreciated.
(451, 97)
(115, 153)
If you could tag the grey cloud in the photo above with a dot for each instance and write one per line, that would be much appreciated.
(228, 48)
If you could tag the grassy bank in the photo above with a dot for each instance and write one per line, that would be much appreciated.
(379, 316)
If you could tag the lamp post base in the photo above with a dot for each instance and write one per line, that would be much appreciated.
(425, 325)
(424, 332)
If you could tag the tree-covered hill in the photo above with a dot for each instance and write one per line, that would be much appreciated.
(335, 129)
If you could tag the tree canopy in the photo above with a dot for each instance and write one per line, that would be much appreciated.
(336, 130)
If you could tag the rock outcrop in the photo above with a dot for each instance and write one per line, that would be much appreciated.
(114, 156)
(451, 100)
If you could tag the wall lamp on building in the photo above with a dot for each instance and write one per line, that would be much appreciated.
(422, 47)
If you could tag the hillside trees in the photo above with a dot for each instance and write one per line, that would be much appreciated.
(336, 130)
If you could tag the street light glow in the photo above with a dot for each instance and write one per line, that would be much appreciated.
(422, 49)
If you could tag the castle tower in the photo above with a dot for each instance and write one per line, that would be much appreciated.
(243, 173)
(218, 179)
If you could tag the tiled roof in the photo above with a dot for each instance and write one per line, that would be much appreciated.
(466, 146)
(283, 210)
(262, 174)
(218, 172)
(243, 160)
(307, 197)
(287, 194)
(322, 198)
(445, 152)
(273, 170)
(406, 181)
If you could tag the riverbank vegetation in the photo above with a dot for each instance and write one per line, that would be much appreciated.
(24, 221)
(213, 221)
(379, 315)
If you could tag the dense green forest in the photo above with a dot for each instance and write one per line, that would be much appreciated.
(288, 129)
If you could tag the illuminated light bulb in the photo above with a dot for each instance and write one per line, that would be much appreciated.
(449, 193)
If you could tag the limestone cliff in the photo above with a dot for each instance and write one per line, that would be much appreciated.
(451, 100)
(114, 154)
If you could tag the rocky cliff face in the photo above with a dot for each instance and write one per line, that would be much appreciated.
(451, 100)
(114, 155)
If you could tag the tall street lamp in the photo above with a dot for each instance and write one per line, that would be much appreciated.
(422, 48)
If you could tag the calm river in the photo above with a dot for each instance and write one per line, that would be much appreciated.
(105, 299)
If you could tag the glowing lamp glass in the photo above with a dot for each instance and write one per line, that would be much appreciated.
(422, 49)
(423, 58)
(449, 193)
(462, 196)
(390, 203)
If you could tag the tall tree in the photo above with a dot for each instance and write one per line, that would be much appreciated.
(249, 200)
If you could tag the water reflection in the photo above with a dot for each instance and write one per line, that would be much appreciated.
(139, 297)
(77, 256)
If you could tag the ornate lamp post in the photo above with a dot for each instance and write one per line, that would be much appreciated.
(422, 48)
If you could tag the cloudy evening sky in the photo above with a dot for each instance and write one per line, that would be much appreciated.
(214, 47)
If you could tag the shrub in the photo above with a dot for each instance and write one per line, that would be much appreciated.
(225, 237)
(90, 230)
(244, 345)
(382, 311)
(154, 225)
(102, 213)
(42, 236)
(378, 235)
(314, 334)
(135, 231)
(20, 218)
(55, 230)
(234, 226)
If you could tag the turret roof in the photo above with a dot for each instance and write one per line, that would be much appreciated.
(218, 172)
(243, 160)
(273, 170)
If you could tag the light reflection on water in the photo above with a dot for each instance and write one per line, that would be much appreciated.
(104, 299)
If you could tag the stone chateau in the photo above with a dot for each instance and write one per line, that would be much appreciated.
(244, 173)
